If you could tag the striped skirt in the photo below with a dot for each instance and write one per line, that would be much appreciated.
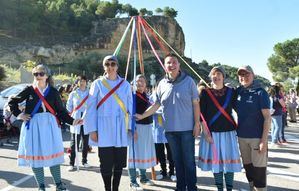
(222, 156)
(41, 145)
(142, 152)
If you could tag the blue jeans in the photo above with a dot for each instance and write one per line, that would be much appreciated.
(276, 127)
(133, 175)
(182, 148)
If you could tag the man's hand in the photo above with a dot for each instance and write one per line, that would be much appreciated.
(196, 130)
(263, 146)
(138, 117)
(94, 136)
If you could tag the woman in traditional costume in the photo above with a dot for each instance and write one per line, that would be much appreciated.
(41, 142)
(219, 151)
(107, 121)
(76, 105)
(141, 149)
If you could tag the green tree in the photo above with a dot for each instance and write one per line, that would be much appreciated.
(170, 12)
(159, 11)
(133, 12)
(284, 63)
(142, 11)
(149, 13)
(106, 9)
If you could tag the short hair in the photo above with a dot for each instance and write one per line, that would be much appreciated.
(82, 77)
(171, 54)
(139, 76)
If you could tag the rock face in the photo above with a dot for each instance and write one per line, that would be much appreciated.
(104, 37)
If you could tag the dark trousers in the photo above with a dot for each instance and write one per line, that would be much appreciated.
(113, 160)
(84, 148)
(284, 123)
(182, 145)
(160, 153)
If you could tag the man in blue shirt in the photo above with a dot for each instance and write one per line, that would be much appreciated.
(178, 97)
(254, 121)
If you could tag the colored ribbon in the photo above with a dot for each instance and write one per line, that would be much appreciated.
(121, 42)
(36, 107)
(150, 43)
(119, 101)
(227, 99)
(176, 53)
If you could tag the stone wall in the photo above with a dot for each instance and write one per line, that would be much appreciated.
(103, 40)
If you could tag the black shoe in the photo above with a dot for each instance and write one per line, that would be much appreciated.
(41, 187)
(61, 187)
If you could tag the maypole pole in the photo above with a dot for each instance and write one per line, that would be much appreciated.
(133, 127)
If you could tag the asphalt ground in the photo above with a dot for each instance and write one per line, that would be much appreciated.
(283, 170)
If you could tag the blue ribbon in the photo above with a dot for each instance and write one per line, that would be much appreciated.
(36, 107)
(134, 95)
(228, 96)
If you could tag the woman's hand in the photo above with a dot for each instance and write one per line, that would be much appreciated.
(209, 139)
(24, 116)
(94, 136)
(135, 135)
(78, 122)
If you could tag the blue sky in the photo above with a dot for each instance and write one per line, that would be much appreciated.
(232, 32)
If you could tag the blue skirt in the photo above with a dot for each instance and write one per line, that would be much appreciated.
(143, 148)
(41, 145)
(222, 156)
(158, 131)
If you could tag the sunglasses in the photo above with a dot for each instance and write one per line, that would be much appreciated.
(112, 64)
(244, 74)
(38, 74)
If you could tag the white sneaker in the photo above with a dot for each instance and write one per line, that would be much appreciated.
(147, 182)
(159, 177)
(135, 187)
(86, 165)
(71, 168)
(173, 178)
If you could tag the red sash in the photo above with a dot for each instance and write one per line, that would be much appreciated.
(228, 117)
(47, 105)
(79, 106)
(141, 97)
(109, 94)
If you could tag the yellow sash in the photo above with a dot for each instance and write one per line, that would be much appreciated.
(119, 101)
(160, 120)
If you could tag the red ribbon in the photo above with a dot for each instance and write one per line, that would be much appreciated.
(48, 106)
(109, 94)
(80, 105)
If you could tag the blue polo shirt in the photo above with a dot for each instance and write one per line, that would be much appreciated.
(249, 105)
(176, 100)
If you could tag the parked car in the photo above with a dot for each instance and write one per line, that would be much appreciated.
(4, 95)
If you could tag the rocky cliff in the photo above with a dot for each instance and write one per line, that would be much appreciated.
(102, 40)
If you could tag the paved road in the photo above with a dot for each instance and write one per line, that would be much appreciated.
(282, 171)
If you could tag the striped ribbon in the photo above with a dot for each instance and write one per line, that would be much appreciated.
(150, 43)
(119, 101)
(121, 42)
(176, 53)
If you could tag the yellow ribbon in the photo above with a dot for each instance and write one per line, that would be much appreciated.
(160, 121)
(119, 101)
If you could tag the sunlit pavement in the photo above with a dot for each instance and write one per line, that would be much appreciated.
(283, 171)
